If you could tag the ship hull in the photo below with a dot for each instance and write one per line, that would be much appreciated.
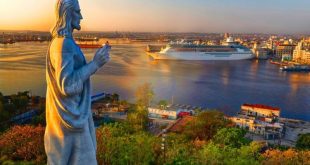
(202, 56)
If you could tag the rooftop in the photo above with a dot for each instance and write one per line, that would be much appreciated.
(262, 106)
(179, 125)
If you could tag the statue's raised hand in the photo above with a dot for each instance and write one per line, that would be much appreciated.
(102, 55)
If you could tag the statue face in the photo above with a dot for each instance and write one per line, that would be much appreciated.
(76, 17)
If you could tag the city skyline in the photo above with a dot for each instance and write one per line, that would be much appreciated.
(239, 16)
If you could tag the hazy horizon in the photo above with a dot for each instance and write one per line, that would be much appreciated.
(180, 16)
(188, 32)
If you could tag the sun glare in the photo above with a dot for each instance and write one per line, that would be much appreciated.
(26, 15)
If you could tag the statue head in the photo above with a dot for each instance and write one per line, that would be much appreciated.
(68, 17)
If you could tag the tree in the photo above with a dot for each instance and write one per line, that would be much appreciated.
(114, 98)
(39, 120)
(1, 108)
(178, 150)
(233, 137)
(1, 98)
(138, 118)
(206, 125)
(20, 101)
(163, 103)
(144, 95)
(25, 93)
(11, 109)
(215, 154)
(116, 145)
(3, 113)
(303, 142)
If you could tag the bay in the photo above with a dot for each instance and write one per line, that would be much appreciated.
(223, 85)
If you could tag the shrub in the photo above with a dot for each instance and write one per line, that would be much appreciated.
(233, 137)
(303, 142)
(206, 125)
(115, 145)
(290, 156)
(24, 143)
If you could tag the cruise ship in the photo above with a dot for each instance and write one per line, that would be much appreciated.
(188, 51)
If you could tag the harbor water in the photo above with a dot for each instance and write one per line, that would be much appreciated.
(223, 85)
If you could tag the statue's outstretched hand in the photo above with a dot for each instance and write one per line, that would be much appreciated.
(102, 55)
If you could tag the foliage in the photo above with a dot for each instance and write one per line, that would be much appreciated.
(124, 102)
(215, 154)
(163, 103)
(232, 137)
(3, 114)
(178, 150)
(137, 119)
(1, 107)
(39, 120)
(116, 145)
(206, 125)
(1, 98)
(115, 97)
(290, 156)
(144, 95)
(303, 141)
(8, 111)
(137, 116)
(11, 109)
(4, 160)
(23, 143)
(21, 101)
(24, 93)
(17, 104)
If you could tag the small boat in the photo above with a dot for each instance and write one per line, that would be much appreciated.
(278, 62)
(296, 68)
(88, 42)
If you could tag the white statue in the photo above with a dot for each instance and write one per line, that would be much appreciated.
(70, 133)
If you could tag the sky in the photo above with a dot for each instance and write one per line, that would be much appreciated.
(233, 16)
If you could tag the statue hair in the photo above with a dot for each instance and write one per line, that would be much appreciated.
(64, 9)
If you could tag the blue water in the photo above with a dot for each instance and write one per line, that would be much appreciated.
(224, 85)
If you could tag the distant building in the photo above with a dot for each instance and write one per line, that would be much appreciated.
(230, 41)
(259, 110)
(260, 53)
(302, 52)
(226, 35)
(162, 113)
(212, 42)
(171, 112)
(260, 119)
(285, 50)
(272, 45)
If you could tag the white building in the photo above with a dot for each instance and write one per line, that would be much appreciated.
(260, 119)
(169, 112)
(162, 113)
(259, 52)
(302, 52)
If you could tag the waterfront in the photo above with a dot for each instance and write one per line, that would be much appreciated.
(214, 84)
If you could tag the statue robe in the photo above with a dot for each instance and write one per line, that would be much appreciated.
(70, 133)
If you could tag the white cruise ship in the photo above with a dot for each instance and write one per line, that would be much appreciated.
(189, 51)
